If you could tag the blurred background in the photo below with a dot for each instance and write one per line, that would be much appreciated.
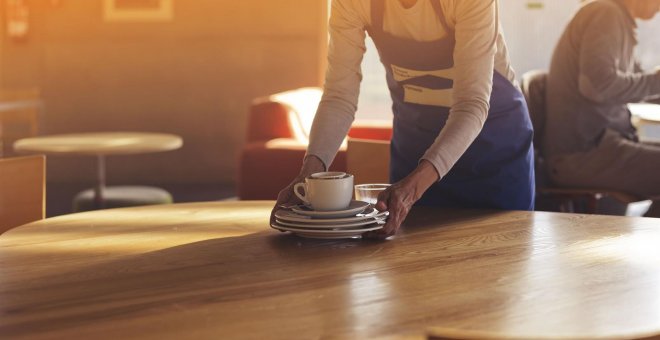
(192, 68)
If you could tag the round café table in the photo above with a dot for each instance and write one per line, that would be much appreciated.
(100, 145)
(215, 270)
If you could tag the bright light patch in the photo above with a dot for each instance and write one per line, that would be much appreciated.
(303, 104)
(640, 249)
(132, 230)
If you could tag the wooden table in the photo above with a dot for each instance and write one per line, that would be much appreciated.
(100, 145)
(216, 270)
(646, 118)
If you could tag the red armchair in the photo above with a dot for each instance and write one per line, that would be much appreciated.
(277, 138)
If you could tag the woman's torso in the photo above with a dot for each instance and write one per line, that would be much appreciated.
(420, 23)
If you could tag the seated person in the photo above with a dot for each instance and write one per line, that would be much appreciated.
(589, 137)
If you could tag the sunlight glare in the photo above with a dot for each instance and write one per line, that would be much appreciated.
(303, 104)
(141, 229)
(640, 249)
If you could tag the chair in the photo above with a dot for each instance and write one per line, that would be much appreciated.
(587, 200)
(22, 190)
(368, 160)
(276, 141)
(19, 117)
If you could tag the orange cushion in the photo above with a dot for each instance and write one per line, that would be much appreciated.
(265, 170)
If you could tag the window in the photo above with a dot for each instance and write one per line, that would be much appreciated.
(649, 44)
(531, 29)
(374, 102)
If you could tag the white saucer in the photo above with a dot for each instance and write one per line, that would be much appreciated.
(354, 208)
(329, 226)
(326, 234)
(293, 217)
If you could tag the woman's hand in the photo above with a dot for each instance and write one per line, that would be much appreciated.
(400, 197)
(286, 197)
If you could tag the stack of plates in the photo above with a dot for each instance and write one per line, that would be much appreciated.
(357, 219)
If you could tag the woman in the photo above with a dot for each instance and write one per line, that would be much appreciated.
(462, 135)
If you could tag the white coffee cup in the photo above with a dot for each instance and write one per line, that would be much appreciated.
(326, 192)
(328, 175)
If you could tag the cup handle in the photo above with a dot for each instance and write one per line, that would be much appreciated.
(301, 196)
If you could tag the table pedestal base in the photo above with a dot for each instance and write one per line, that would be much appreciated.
(121, 196)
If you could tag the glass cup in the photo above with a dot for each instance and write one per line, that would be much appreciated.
(369, 192)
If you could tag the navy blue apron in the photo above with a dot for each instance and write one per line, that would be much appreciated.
(497, 170)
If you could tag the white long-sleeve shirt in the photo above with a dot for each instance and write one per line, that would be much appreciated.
(480, 49)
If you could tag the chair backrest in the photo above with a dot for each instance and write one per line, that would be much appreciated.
(302, 104)
(534, 84)
(284, 115)
(22, 190)
(19, 117)
(368, 160)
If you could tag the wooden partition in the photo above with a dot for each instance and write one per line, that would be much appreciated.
(368, 160)
(22, 190)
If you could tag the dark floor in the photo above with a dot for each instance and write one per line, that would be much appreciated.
(59, 196)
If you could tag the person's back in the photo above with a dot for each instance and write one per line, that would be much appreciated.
(582, 98)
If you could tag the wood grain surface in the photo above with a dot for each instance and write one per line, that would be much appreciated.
(216, 270)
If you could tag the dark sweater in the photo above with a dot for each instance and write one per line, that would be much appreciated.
(593, 75)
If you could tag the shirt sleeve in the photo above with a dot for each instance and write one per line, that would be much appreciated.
(476, 30)
(336, 111)
(600, 78)
(655, 97)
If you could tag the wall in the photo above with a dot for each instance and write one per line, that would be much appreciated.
(2, 43)
(532, 33)
(193, 76)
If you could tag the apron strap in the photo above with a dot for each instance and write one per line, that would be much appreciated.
(377, 13)
(441, 16)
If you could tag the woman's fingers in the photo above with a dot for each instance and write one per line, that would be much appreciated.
(397, 200)
(284, 198)
(383, 198)
(398, 209)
